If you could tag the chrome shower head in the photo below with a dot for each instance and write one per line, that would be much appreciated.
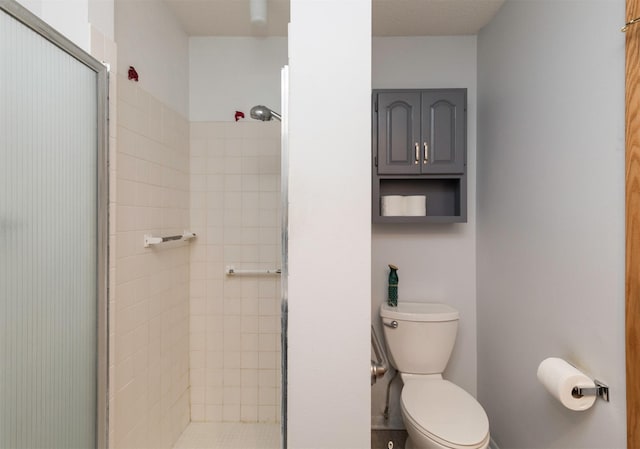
(264, 113)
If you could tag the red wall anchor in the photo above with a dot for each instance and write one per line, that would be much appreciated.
(133, 75)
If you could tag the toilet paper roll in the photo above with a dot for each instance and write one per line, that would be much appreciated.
(415, 205)
(392, 205)
(559, 378)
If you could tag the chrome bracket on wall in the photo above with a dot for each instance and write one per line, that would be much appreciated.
(600, 390)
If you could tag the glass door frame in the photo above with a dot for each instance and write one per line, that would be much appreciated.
(30, 20)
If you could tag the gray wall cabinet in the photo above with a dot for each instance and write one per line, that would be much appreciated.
(419, 148)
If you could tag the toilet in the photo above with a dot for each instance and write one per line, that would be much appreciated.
(437, 413)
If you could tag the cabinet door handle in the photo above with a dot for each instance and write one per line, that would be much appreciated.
(426, 153)
(417, 145)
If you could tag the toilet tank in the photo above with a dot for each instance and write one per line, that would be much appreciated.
(419, 336)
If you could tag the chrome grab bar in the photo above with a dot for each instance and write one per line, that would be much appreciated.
(381, 365)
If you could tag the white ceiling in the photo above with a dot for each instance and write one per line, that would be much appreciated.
(390, 17)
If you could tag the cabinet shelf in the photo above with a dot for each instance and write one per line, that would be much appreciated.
(427, 219)
(445, 197)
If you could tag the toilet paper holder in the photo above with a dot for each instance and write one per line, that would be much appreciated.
(600, 390)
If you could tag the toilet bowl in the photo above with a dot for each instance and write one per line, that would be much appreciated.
(440, 415)
(437, 413)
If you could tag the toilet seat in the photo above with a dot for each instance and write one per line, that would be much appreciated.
(445, 413)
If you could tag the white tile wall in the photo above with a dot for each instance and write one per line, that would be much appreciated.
(235, 321)
(149, 322)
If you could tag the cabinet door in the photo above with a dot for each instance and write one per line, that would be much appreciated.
(398, 132)
(444, 127)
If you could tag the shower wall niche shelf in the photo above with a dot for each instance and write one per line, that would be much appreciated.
(419, 148)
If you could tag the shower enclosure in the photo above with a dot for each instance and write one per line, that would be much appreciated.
(52, 238)
(238, 281)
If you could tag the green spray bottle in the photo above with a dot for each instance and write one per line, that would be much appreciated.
(393, 286)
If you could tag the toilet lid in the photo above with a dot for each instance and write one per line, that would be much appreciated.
(445, 412)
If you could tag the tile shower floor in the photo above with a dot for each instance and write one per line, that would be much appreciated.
(229, 436)
(261, 436)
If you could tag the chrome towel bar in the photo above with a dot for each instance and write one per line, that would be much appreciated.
(231, 271)
(151, 240)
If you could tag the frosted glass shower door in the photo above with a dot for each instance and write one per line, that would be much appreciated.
(50, 240)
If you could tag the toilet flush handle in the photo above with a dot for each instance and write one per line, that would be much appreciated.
(393, 324)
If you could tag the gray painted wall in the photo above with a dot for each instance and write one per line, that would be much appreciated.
(151, 39)
(437, 262)
(550, 223)
(233, 73)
